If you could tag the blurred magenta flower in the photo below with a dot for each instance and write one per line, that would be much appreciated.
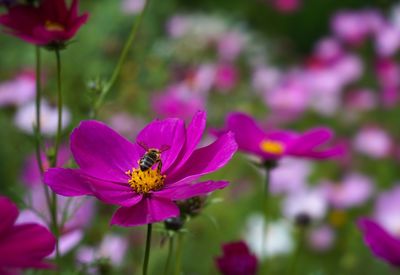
(354, 190)
(382, 244)
(18, 90)
(226, 77)
(109, 168)
(24, 245)
(274, 144)
(230, 45)
(373, 142)
(178, 101)
(25, 118)
(74, 215)
(51, 23)
(237, 260)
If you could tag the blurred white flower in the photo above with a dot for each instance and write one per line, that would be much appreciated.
(277, 237)
(25, 118)
(133, 6)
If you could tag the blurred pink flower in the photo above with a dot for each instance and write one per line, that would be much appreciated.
(25, 118)
(226, 77)
(177, 26)
(387, 41)
(230, 45)
(126, 124)
(360, 100)
(272, 145)
(113, 248)
(177, 101)
(265, 78)
(309, 203)
(290, 175)
(354, 26)
(354, 190)
(321, 238)
(373, 142)
(19, 90)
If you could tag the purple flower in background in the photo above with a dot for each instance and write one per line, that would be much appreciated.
(24, 245)
(109, 168)
(178, 101)
(286, 6)
(352, 191)
(321, 238)
(237, 260)
(226, 77)
(126, 124)
(387, 210)
(373, 142)
(133, 6)
(18, 91)
(274, 144)
(382, 244)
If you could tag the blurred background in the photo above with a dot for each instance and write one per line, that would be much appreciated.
(292, 64)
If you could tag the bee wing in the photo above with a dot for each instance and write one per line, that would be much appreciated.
(143, 145)
(164, 148)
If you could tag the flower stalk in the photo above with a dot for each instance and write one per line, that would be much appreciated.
(178, 258)
(128, 44)
(147, 251)
(169, 257)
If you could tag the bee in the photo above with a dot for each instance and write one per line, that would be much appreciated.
(151, 157)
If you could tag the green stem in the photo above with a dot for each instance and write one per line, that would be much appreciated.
(147, 251)
(53, 162)
(265, 211)
(297, 253)
(170, 250)
(178, 258)
(128, 44)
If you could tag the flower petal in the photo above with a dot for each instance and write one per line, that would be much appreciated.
(206, 160)
(149, 210)
(101, 152)
(186, 191)
(160, 133)
(8, 214)
(382, 244)
(247, 133)
(26, 246)
(73, 182)
(193, 135)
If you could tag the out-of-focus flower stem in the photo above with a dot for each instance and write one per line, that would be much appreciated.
(297, 253)
(53, 160)
(147, 251)
(178, 258)
(128, 44)
(170, 250)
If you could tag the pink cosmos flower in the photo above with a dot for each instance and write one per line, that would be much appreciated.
(109, 168)
(237, 260)
(49, 23)
(321, 238)
(274, 144)
(286, 6)
(226, 77)
(24, 245)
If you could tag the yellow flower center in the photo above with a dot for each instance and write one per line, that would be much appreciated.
(54, 26)
(142, 182)
(272, 147)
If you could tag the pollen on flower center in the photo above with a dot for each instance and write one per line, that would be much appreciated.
(272, 147)
(54, 26)
(142, 182)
